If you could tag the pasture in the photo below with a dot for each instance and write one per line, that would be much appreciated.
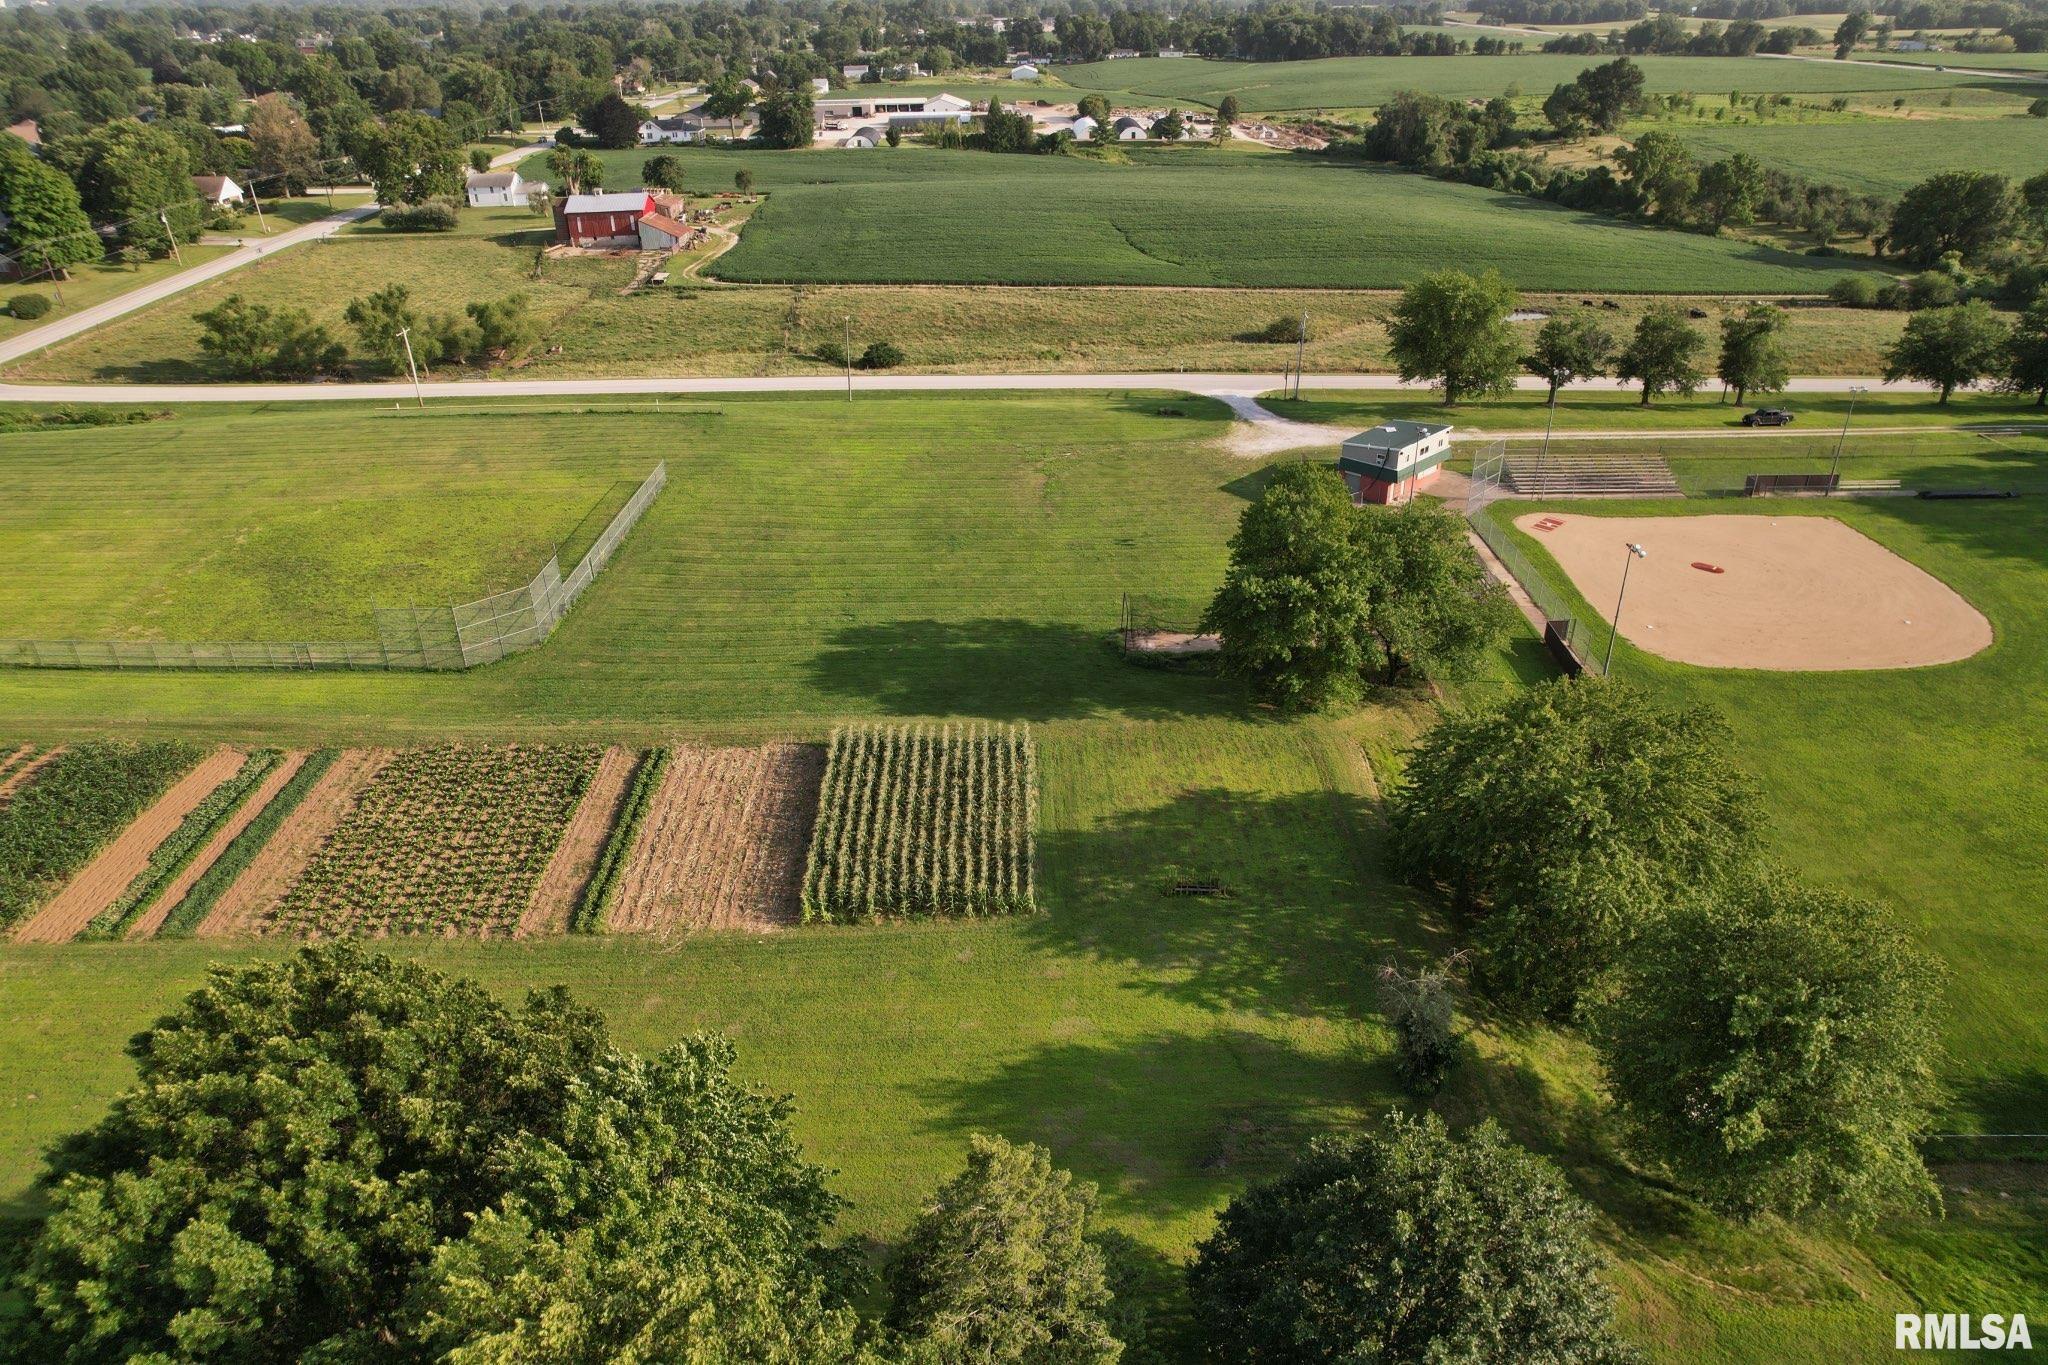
(1333, 83)
(1187, 216)
(1881, 156)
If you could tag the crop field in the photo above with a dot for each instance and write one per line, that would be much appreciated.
(60, 807)
(924, 822)
(1186, 216)
(1363, 82)
(446, 840)
(191, 897)
(1882, 156)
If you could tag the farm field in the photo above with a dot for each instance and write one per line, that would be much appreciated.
(1881, 156)
(1191, 215)
(1364, 82)
(1171, 1051)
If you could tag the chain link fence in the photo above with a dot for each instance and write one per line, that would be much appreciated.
(452, 637)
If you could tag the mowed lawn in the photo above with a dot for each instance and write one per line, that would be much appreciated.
(1882, 156)
(916, 554)
(1363, 82)
(1186, 216)
(1925, 787)
(1170, 1050)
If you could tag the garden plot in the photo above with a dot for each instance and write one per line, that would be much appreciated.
(721, 845)
(576, 858)
(202, 866)
(249, 899)
(926, 820)
(444, 840)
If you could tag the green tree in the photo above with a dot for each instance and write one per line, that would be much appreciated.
(287, 149)
(2026, 355)
(1433, 609)
(1661, 174)
(341, 1157)
(505, 327)
(663, 171)
(786, 117)
(1774, 1046)
(1560, 819)
(1169, 126)
(1851, 31)
(1097, 107)
(409, 159)
(728, 100)
(1729, 191)
(1226, 112)
(1753, 351)
(379, 319)
(137, 176)
(41, 221)
(1296, 599)
(1967, 212)
(743, 180)
(1420, 1010)
(1407, 1244)
(257, 342)
(1452, 329)
(1950, 348)
(614, 122)
(1568, 348)
(479, 160)
(1000, 1266)
(1663, 354)
(580, 171)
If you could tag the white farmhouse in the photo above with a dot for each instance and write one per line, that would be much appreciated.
(218, 191)
(497, 189)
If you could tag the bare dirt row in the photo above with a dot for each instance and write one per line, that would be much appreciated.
(575, 858)
(266, 791)
(724, 840)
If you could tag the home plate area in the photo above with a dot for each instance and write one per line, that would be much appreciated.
(1789, 593)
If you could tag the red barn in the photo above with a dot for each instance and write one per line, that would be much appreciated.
(603, 219)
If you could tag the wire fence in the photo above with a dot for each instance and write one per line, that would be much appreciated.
(464, 635)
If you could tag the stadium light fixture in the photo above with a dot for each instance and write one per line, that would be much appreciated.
(1635, 552)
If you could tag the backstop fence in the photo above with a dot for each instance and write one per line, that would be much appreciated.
(449, 637)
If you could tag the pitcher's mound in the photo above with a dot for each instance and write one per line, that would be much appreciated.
(1791, 593)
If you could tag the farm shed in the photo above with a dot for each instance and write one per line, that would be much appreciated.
(218, 190)
(1389, 462)
(1129, 129)
(870, 136)
(603, 219)
(1024, 71)
(497, 189)
(659, 232)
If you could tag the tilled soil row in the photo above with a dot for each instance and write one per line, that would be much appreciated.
(266, 791)
(575, 858)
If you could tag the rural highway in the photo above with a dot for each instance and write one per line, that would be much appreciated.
(1217, 385)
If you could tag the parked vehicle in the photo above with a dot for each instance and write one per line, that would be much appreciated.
(1767, 417)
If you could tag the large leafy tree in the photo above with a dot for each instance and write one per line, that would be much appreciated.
(256, 341)
(286, 146)
(1662, 354)
(614, 122)
(579, 171)
(1569, 348)
(786, 117)
(344, 1158)
(1000, 1265)
(409, 158)
(1562, 818)
(1662, 175)
(1433, 608)
(1753, 351)
(44, 228)
(139, 177)
(1774, 1045)
(1406, 1244)
(1967, 212)
(1452, 329)
(727, 100)
(663, 171)
(2026, 355)
(1950, 348)
(1729, 191)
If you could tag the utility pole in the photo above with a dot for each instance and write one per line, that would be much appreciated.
(405, 335)
(257, 200)
(1300, 350)
(51, 270)
(1549, 425)
(164, 217)
(847, 355)
(1835, 468)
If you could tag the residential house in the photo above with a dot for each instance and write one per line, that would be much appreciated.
(497, 190)
(217, 191)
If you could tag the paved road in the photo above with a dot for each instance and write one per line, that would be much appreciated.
(14, 348)
(1910, 66)
(458, 390)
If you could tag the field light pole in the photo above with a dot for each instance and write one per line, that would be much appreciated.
(1835, 469)
(405, 335)
(1549, 425)
(1300, 350)
(846, 354)
(1635, 552)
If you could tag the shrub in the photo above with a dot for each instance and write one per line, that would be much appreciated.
(1287, 329)
(881, 355)
(1932, 289)
(2039, 108)
(1855, 291)
(29, 307)
(435, 215)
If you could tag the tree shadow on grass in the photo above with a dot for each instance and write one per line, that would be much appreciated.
(1007, 669)
(1305, 918)
(2010, 529)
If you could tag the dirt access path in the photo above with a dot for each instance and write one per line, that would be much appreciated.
(575, 858)
(243, 907)
(723, 843)
(266, 791)
(118, 864)
(18, 777)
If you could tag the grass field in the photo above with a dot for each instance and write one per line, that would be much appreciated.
(1364, 82)
(1181, 216)
(1882, 156)
(91, 285)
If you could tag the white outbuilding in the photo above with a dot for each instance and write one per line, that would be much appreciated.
(1129, 129)
(1024, 71)
(870, 136)
(497, 189)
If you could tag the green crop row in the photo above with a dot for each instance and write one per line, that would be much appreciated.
(924, 821)
(595, 909)
(53, 826)
(190, 912)
(182, 845)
